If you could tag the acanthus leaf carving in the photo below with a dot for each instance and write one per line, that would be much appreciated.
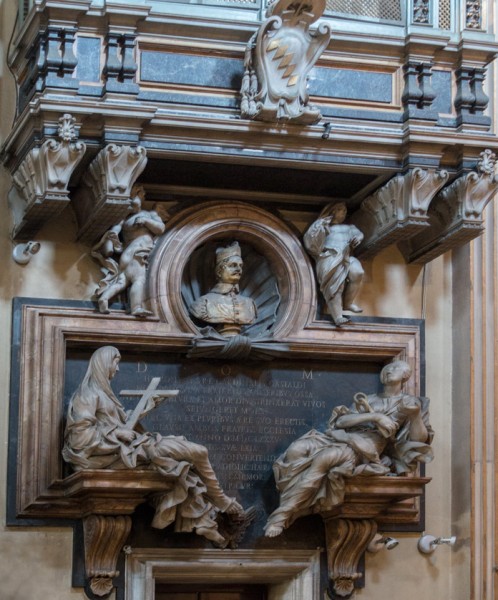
(41, 180)
(104, 194)
(116, 168)
(398, 209)
(455, 215)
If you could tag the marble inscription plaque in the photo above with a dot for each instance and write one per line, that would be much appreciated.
(245, 414)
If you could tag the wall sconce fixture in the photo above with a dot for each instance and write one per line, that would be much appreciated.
(428, 543)
(22, 253)
(381, 541)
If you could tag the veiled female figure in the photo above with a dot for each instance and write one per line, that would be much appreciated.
(97, 437)
(379, 434)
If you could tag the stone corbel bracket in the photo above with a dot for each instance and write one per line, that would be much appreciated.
(347, 541)
(105, 501)
(40, 190)
(352, 525)
(455, 215)
(104, 539)
(102, 199)
(397, 210)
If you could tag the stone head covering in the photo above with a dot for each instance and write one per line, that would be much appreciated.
(224, 253)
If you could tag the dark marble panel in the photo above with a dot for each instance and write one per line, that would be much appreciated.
(441, 83)
(187, 69)
(88, 54)
(361, 115)
(188, 99)
(256, 177)
(91, 90)
(246, 414)
(351, 84)
(446, 121)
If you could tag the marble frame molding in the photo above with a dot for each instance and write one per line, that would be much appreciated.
(265, 232)
(293, 575)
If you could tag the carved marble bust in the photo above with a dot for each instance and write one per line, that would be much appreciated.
(224, 305)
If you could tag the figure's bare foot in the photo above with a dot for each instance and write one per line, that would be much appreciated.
(273, 531)
(341, 321)
(211, 534)
(103, 307)
(353, 308)
(141, 312)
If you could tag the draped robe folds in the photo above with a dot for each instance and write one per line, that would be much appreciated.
(224, 304)
(94, 419)
(311, 474)
(332, 254)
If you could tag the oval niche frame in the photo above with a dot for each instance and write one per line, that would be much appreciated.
(266, 233)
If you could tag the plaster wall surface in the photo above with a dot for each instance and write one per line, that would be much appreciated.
(37, 561)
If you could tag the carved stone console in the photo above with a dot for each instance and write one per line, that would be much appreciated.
(398, 210)
(41, 181)
(105, 500)
(102, 199)
(352, 527)
(456, 213)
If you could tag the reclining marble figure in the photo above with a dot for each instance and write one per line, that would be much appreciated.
(380, 434)
(100, 434)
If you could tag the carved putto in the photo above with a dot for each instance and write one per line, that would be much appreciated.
(132, 240)
(330, 242)
(100, 434)
(278, 60)
(380, 434)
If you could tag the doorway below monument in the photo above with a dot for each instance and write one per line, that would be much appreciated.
(211, 574)
(210, 592)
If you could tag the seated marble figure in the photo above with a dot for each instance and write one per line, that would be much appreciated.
(224, 305)
(98, 435)
(380, 434)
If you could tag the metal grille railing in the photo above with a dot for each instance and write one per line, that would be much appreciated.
(444, 14)
(386, 10)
